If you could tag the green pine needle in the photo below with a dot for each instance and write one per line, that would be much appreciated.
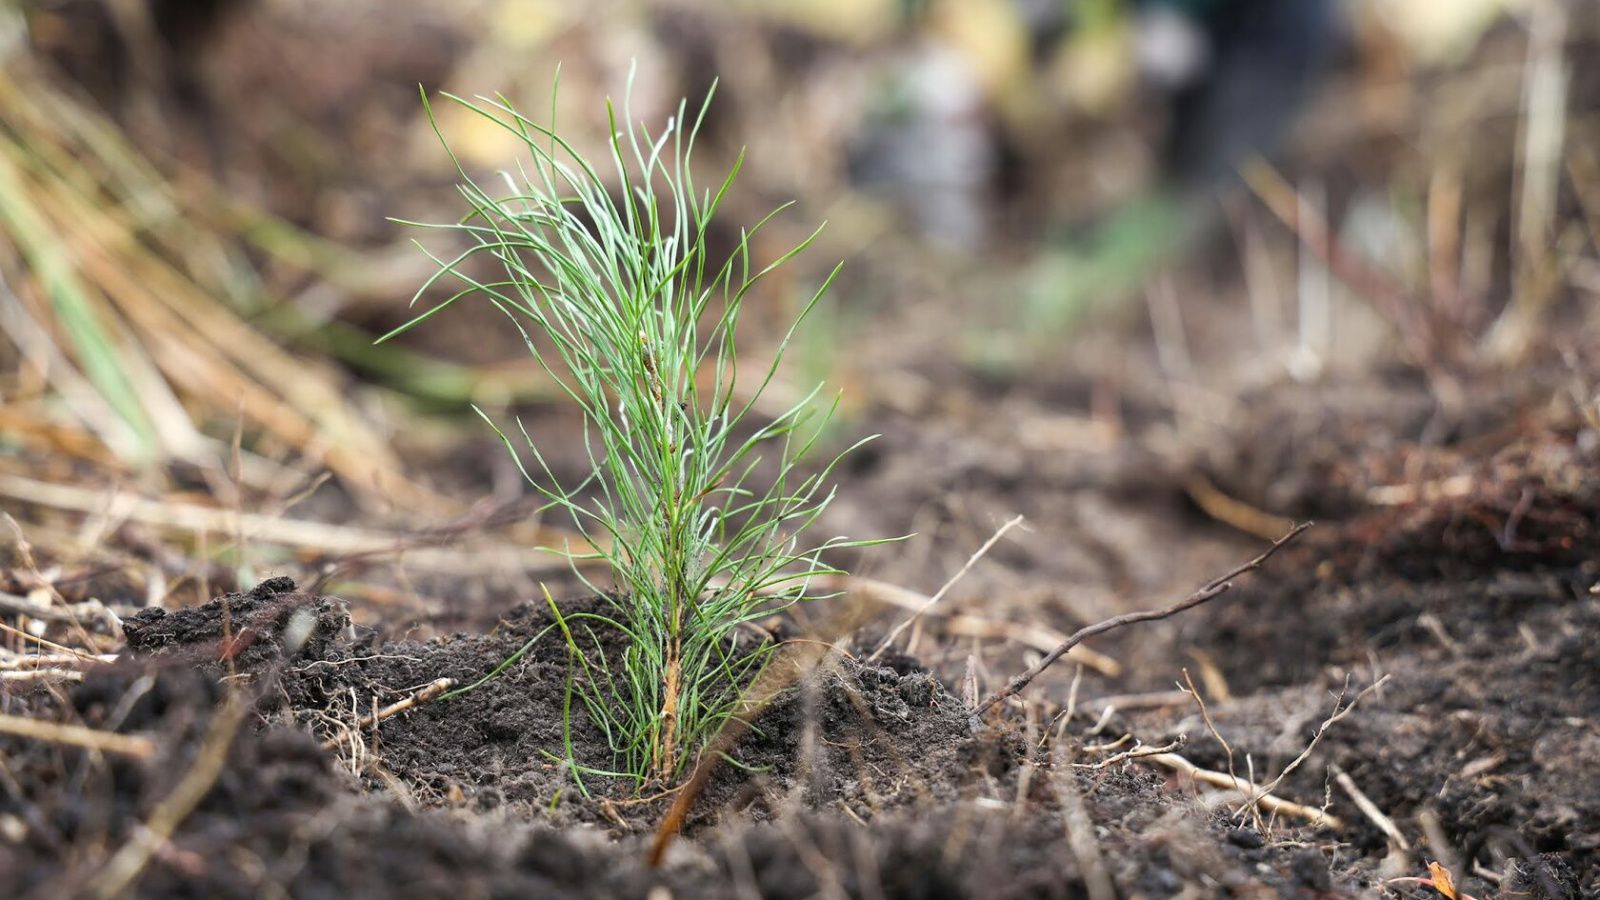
(610, 279)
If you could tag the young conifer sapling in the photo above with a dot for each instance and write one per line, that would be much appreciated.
(699, 507)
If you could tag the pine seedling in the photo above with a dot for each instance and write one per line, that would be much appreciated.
(699, 510)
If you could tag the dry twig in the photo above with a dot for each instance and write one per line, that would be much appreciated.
(1263, 799)
(1205, 716)
(136, 746)
(42, 675)
(1038, 637)
(63, 652)
(430, 692)
(1371, 810)
(931, 601)
(1138, 752)
(1206, 592)
(1146, 700)
(1338, 713)
(131, 858)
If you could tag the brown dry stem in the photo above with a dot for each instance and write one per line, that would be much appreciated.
(792, 661)
(1206, 592)
(130, 859)
(931, 601)
(136, 746)
(1267, 801)
(432, 691)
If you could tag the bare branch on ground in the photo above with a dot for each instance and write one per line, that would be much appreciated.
(1206, 592)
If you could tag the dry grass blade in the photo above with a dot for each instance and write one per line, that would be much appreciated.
(334, 540)
(125, 865)
(117, 269)
(1234, 512)
(136, 746)
(1206, 592)
(932, 601)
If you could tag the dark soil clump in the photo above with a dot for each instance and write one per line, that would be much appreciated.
(1474, 593)
(502, 744)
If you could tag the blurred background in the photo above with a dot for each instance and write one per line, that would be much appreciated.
(1084, 230)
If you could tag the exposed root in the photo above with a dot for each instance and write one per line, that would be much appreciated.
(431, 692)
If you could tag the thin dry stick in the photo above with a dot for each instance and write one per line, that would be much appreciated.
(133, 745)
(1038, 637)
(319, 536)
(69, 613)
(430, 692)
(131, 858)
(42, 675)
(45, 642)
(1136, 753)
(1205, 715)
(1081, 833)
(931, 601)
(1208, 591)
(1109, 745)
(1371, 810)
(1269, 802)
(1147, 700)
(16, 661)
(1321, 730)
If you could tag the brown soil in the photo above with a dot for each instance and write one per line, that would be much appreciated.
(1457, 553)
(477, 807)
(878, 782)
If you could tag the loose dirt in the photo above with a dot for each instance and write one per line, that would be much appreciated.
(1475, 597)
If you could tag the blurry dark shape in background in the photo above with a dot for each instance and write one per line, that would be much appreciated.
(1228, 77)
(937, 135)
(1236, 75)
(1032, 159)
(930, 145)
(1240, 75)
(132, 54)
(1225, 81)
(296, 110)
